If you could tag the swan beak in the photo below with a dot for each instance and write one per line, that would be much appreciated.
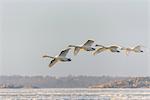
(93, 49)
(118, 51)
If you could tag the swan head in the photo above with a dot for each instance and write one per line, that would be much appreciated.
(44, 56)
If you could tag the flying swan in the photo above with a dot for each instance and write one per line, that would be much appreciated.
(86, 47)
(61, 57)
(103, 48)
(136, 49)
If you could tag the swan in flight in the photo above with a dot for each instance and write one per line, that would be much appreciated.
(103, 48)
(61, 57)
(136, 49)
(86, 46)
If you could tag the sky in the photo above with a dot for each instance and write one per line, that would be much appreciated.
(33, 28)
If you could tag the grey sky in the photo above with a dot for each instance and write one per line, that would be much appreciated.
(31, 28)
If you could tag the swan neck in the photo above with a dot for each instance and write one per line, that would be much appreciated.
(72, 46)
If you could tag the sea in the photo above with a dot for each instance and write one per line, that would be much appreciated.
(76, 94)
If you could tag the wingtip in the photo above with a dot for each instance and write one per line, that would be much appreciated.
(69, 46)
(44, 56)
(91, 40)
(93, 54)
(49, 66)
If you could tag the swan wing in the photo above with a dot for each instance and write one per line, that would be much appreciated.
(137, 48)
(64, 52)
(89, 43)
(53, 62)
(99, 51)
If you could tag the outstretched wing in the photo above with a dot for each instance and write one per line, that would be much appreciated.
(53, 62)
(89, 43)
(137, 48)
(64, 52)
(99, 51)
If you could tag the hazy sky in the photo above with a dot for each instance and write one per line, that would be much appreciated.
(32, 28)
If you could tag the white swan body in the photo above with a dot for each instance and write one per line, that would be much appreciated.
(136, 49)
(61, 57)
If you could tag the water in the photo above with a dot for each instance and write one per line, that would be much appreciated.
(74, 94)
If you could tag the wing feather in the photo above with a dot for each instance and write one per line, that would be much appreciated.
(89, 43)
(137, 48)
(99, 51)
(64, 52)
(53, 62)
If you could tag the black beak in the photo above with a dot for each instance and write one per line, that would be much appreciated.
(69, 59)
(93, 48)
(118, 51)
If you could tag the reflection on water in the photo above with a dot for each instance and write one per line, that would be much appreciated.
(74, 94)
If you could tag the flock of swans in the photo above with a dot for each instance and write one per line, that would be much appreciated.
(88, 47)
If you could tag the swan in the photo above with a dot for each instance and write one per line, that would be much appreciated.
(61, 57)
(86, 47)
(136, 49)
(103, 48)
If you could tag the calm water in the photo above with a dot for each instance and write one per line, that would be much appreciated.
(74, 94)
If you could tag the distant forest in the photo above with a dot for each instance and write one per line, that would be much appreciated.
(59, 82)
